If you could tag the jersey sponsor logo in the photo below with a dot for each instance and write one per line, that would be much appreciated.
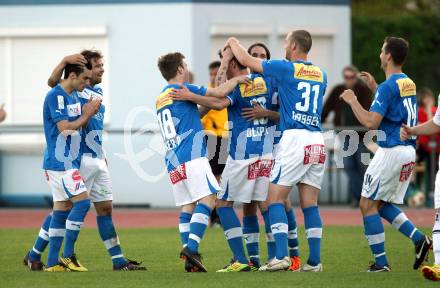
(257, 87)
(314, 154)
(260, 168)
(406, 87)
(60, 101)
(406, 171)
(74, 110)
(164, 99)
(178, 174)
(308, 72)
(90, 94)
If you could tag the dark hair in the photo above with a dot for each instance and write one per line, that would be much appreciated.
(91, 54)
(303, 39)
(398, 48)
(169, 64)
(262, 46)
(214, 64)
(351, 68)
(75, 68)
(240, 66)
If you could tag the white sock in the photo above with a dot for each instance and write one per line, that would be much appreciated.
(436, 239)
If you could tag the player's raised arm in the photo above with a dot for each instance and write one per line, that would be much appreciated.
(184, 94)
(255, 64)
(221, 76)
(224, 89)
(368, 119)
(89, 109)
(57, 72)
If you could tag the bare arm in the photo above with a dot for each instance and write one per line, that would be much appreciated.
(221, 77)
(89, 109)
(224, 89)
(257, 111)
(57, 72)
(255, 64)
(427, 128)
(184, 94)
(368, 119)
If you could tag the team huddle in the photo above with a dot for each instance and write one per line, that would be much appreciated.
(276, 142)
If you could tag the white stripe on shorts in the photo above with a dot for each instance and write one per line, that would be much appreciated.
(375, 239)
(234, 233)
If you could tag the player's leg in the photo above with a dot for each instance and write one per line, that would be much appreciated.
(184, 225)
(80, 206)
(270, 240)
(375, 234)
(57, 230)
(308, 196)
(292, 238)
(399, 221)
(278, 219)
(251, 232)
(33, 256)
(234, 235)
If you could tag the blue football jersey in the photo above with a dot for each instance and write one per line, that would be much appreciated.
(62, 152)
(182, 131)
(301, 88)
(247, 138)
(396, 101)
(91, 143)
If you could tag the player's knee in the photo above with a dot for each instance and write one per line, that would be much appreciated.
(221, 203)
(104, 210)
(368, 207)
(209, 201)
(250, 209)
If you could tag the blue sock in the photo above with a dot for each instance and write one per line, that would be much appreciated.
(184, 220)
(313, 225)
(57, 230)
(111, 240)
(197, 226)
(292, 234)
(42, 240)
(251, 235)
(376, 238)
(278, 220)
(269, 236)
(73, 225)
(398, 219)
(233, 232)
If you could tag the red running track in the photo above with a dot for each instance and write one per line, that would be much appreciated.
(145, 218)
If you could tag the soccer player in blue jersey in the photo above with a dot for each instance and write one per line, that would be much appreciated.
(194, 185)
(93, 167)
(387, 177)
(63, 119)
(251, 229)
(301, 153)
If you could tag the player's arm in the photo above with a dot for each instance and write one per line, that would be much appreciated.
(224, 89)
(89, 109)
(257, 111)
(57, 72)
(203, 111)
(184, 94)
(369, 80)
(243, 56)
(427, 128)
(221, 77)
(368, 119)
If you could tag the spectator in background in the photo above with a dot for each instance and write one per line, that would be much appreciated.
(215, 124)
(2, 113)
(343, 116)
(191, 77)
(427, 144)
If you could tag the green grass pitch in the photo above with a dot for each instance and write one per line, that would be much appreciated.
(345, 254)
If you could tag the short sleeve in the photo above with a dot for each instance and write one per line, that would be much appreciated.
(275, 68)
(200, 90)
(382, 100)
(235, 94)
(436, 118)
(57, 107)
